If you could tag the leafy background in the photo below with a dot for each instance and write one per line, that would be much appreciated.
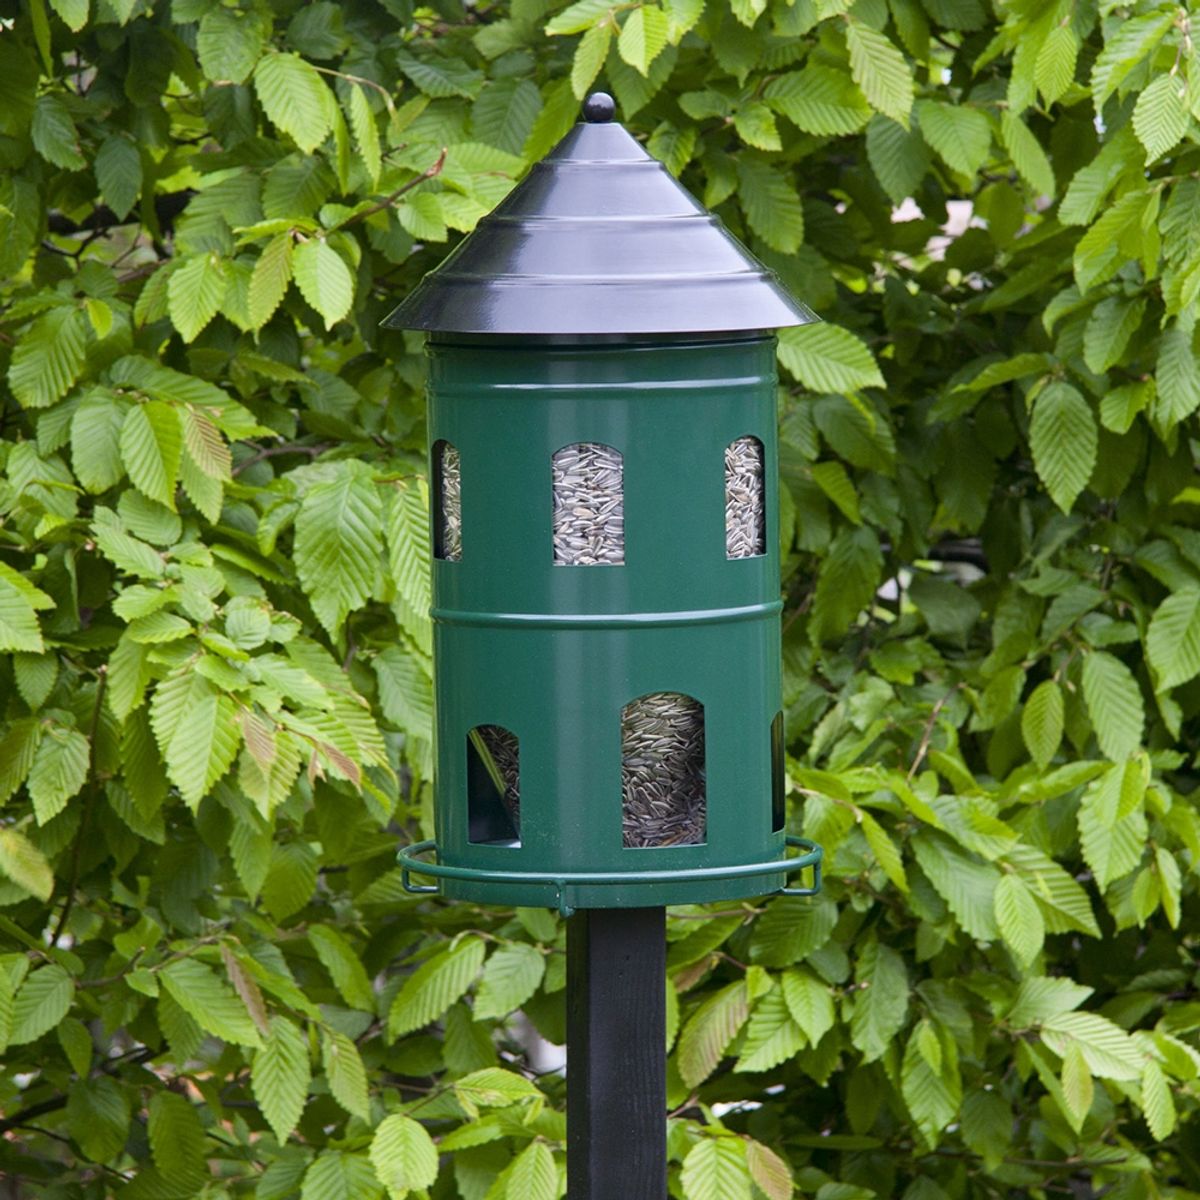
(215, 676)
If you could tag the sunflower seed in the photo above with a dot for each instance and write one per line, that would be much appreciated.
(449, 503)
(589, 507)
(662, 771)
(745, 501)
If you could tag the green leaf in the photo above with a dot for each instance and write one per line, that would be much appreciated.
(898, 156)
(1107, 1049)
(512, 974)
(195, 292)
(493, 1087)
(819, 100)
(1158, 1104)
(1054, 71)
(771, 1174)
(17, 748)
(1131, 41)
(961, 136)
(41, 1001)
(505, 112)
(98, 1115)
(347, 972)
(881, 1003)
(1077, 1086)
(177, 1139)
(118, 168)
(1177, 375)
(1112, 825)
(404, 1156)
(1019, 919)
(48, 358)
(1027, 154)
(770, 203)
(197, 732)
(440, 78)
(1042, 997)
(269, 280)
(755, 125)
(1114, 703)
(339, 543)
(151, 445)
(715, 1168)
(54, 134)
(339, 1175)
(324, 279)
(589, 57)
(1160, 117)
(24, 864)
(96, 441)
(643, 37)
(345, 1072)
(827, 358)
(73, 12)
(210, 1002)
(709, 1031)
(963, 881)
(1042, 722)
(60, 767)
(887, 853)
(434, 986)
(1063, 438)
(295, 98)
(810, 1002)
(280, 1076)
(1112, 323)
(772, 1035)
(932, 1092)
(1065, 905)
(533, 1174)
(366, 133)
(880, 71)
(19, 602)
(205, 446)
(1173, 639)
(577, 17)
(229, 43)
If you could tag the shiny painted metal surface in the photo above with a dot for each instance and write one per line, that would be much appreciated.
(599, 238)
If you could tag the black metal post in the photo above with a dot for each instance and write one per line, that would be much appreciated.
(616, 1055)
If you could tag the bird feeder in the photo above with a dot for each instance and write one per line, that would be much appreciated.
(602, 425)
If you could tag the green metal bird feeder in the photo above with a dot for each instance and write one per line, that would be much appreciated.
(606, 556)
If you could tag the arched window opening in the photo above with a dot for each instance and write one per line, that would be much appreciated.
(589, 506)
(494, 785)
(663, 801)
(778, 776)
(447, 502)
(745, 499)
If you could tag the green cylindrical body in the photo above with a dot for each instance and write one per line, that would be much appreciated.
(554, 652)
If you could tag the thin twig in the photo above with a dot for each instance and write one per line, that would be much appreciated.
(387, 202)
(275, 451)
(927, 733)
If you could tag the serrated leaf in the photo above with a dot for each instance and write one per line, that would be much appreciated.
(1158, 1105)
(404, 1156)
(280, 1076)
(1019, 919)
(1173, 639)
(347, 972)
(881, 1003)
(819, 100)
(41, 1001)
(715, 1168)
(771, 205)
(772, 1034)
(505, 113)
(1177, 375)
(1042, 722)
(54, 134)
(1111, 324)
(345, 1072)
(1063, 438)
(1131, 41)
(512, 974)
(1027, 154)
(340, 1175)
(961, 136)
(1042, 996)
(211, 1002)
(434, 986)
(709, 1031)
(96, 441)
(440, 77)
(73, 12)
(19, 602)
(339, 543)
(589, 57)
(933, 1093)
(48, 358)
(324, 279)
(151, 445)
(810, 1002)
(1077, 1086)
(771, 1174)
(827, 358)
(366, 132)
(1107, 1049)
(533, 1175)
(194, 293)
(1160, 117)
(643, 37)
(295, 98)
(898, 156)
(1112, 824)
(1054, 71)
(60, 767)
(963, 881)
(229, 43)
(887, 853)
(177, 1139)
(205, 445)
(881, 72)
(1114, 703)
(24, 864)
(118, 168)
(197, 732)
(269, 280)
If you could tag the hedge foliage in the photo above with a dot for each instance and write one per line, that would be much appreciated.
(214, 686)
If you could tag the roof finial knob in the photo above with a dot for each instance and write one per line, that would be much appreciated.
(599, 108)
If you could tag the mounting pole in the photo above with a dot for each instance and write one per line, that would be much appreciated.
(616, 1054)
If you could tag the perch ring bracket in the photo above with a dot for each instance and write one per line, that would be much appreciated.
(411, 863)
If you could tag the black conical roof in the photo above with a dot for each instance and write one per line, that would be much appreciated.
(599, 238)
